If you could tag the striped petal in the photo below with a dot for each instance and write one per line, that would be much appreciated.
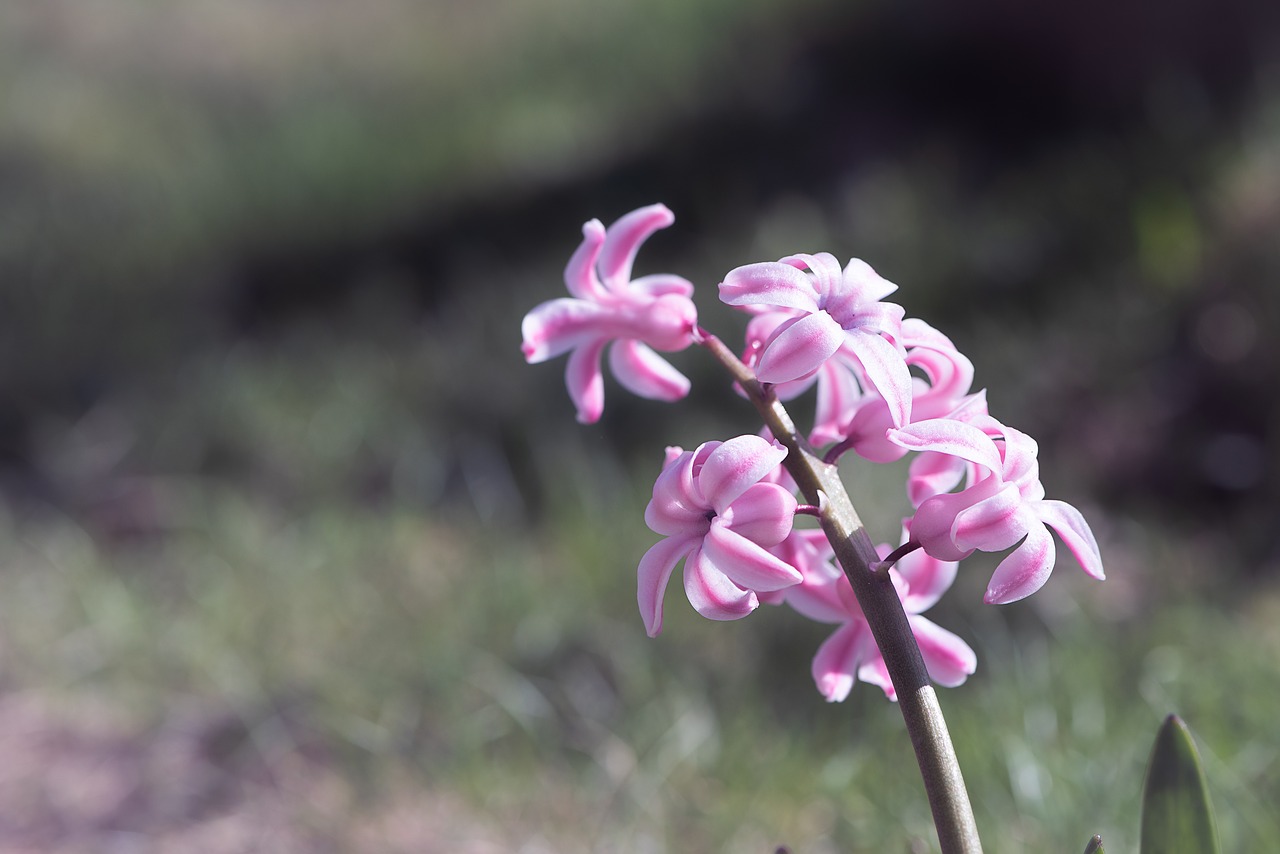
(585, 381)
(747, 564)
(769, 284)
(580, 273)
(948, 659)
(735, 466)
(623, 241)
(1075, 533)
(712, 594)
(655, 571)
(644, 373)
(799, 347)
(1024, 571)
(835, 666)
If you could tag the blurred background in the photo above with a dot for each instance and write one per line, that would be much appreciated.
(298, 555)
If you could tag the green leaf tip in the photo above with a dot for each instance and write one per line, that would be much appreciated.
(1177, 817)
(1095, 845)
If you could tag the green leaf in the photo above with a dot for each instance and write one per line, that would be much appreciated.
(1094, 846)
(1176, 815)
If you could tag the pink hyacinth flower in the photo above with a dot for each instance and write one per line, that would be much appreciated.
(1003, 503)
(832, 308)
(607, 306)
(717, 516)
(850, 653)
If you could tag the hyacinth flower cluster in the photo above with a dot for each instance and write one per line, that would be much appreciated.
(726, 510)
(886, 386)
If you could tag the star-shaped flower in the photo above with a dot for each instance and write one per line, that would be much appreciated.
(850, 653)
(717, 516)
(607, 306)
(832, 308)
(1003, 503)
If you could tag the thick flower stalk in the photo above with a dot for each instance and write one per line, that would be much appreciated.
(607, 306)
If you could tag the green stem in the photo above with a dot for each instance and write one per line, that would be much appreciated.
(820, 483)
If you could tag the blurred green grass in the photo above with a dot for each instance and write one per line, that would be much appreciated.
(470, 653)
(373, 530)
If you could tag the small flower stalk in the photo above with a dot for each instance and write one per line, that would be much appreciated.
(887, 386)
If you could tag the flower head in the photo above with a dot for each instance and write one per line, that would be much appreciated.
(1004, 502)
(607, 306)
(717, 515)
(850, 653)
(830, 308)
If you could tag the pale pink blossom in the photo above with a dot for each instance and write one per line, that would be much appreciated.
(849, 410)
(717, 515)
(1003, 503)
(607, 306)
(850, 653)
(832, 308)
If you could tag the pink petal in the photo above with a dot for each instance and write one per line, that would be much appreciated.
(580, 273)
(933, 474)
(838, 395)
(747, 564)
(821, 603)
(927, 579)
(799, 347)
(868, 429)
(1020, 464)
(932, 526)
(1024, 571)
(762, 328)
(677, 508)
(643, 372)
(585, 381)
(664, 323)
(712, 594)
(654, 573)
(949, 436)
(623, 239)
(763, 514)
(557, 326)
(819, 596)
(995, 523)
(870, 286)
(948, 659)
(661, 284)
(950, 375)
(836, 662)
(825, 269)
(736, 465)
(875, 672)
(1075, 532)
(917, 333)
(881, 317)
(771, 284)
(852, 308)
(972, 407)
